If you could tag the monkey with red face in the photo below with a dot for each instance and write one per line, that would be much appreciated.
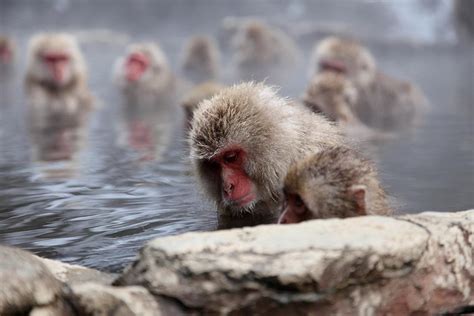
(7, 50)
(383, 102)
(56, 76)
(335, 182)
(144, 74)
(242, 142)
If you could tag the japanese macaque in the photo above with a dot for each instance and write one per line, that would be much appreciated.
(335, 182)
(144, 74)
(242, 142)
(383, 102)
(7, 51)
(201, 59)
(198, 94)
(333, 95)
(56, 76)
(261, 51)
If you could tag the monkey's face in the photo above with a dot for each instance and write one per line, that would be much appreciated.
(55, 66)
(294, 210)
(346, 57)
(136, 66)
(237, 190)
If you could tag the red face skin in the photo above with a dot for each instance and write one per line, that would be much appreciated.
(57, 64)
(6, 55)
(333, 65)
(237, 187)
(295, 211)
(136, 65)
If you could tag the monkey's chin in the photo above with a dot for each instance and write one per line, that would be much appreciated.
(242, 206)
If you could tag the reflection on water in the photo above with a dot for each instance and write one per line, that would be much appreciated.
(93, 191)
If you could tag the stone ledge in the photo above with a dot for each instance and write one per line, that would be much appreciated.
(412, 263)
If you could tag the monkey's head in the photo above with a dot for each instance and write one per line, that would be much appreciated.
(331, 94)
(143, 62)
(347, 57)
(55, 60)
(238, 147)
(254, 41)
(198, 94)
(331, 183)
(7, 49)
(202, 48)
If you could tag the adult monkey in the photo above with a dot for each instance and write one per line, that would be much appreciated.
(243, 141)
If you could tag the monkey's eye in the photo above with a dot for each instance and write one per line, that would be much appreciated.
(298, 201)
(230, 157)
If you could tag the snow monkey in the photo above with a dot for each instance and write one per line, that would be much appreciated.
(335, 182)
(242, 142)
(144, 73)
(384, 102)
(56, 75)
(262, 51)
(201, 59)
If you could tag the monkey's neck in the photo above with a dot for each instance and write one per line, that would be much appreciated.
(70, 88)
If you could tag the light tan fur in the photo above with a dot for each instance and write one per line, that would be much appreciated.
(201, 59)
(333, 95)
(157, 82)
(198, 94)
(273, 133)
(261, 50)
(383, 102)
(324, 182)
(73, 95)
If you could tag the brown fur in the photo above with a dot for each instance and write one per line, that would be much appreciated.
(333, 95)
(384, 102)
(201, 59)
(261, 50)
(272, 132)
(323, 181)
(74, 95)
(156, 83)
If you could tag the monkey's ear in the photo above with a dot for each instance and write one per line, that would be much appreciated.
(357, 192)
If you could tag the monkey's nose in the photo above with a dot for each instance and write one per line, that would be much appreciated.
(228, 188)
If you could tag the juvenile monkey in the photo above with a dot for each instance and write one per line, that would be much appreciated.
(333, 95)
(335, 182)
(242, 142)
(56, 76)
(144, 73)
(198, 94)
(384, 102)
(261, 50)
(201, 59)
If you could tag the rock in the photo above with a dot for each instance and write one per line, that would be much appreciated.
(73, 274)
(27, 285)
(96, 299)
(367, 265)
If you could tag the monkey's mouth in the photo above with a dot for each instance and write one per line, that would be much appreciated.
(333, 65)
(245, 200)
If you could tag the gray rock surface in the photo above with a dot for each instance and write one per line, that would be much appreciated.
(96, 299)
(73, 274)
(368, 266)
(27, 286)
